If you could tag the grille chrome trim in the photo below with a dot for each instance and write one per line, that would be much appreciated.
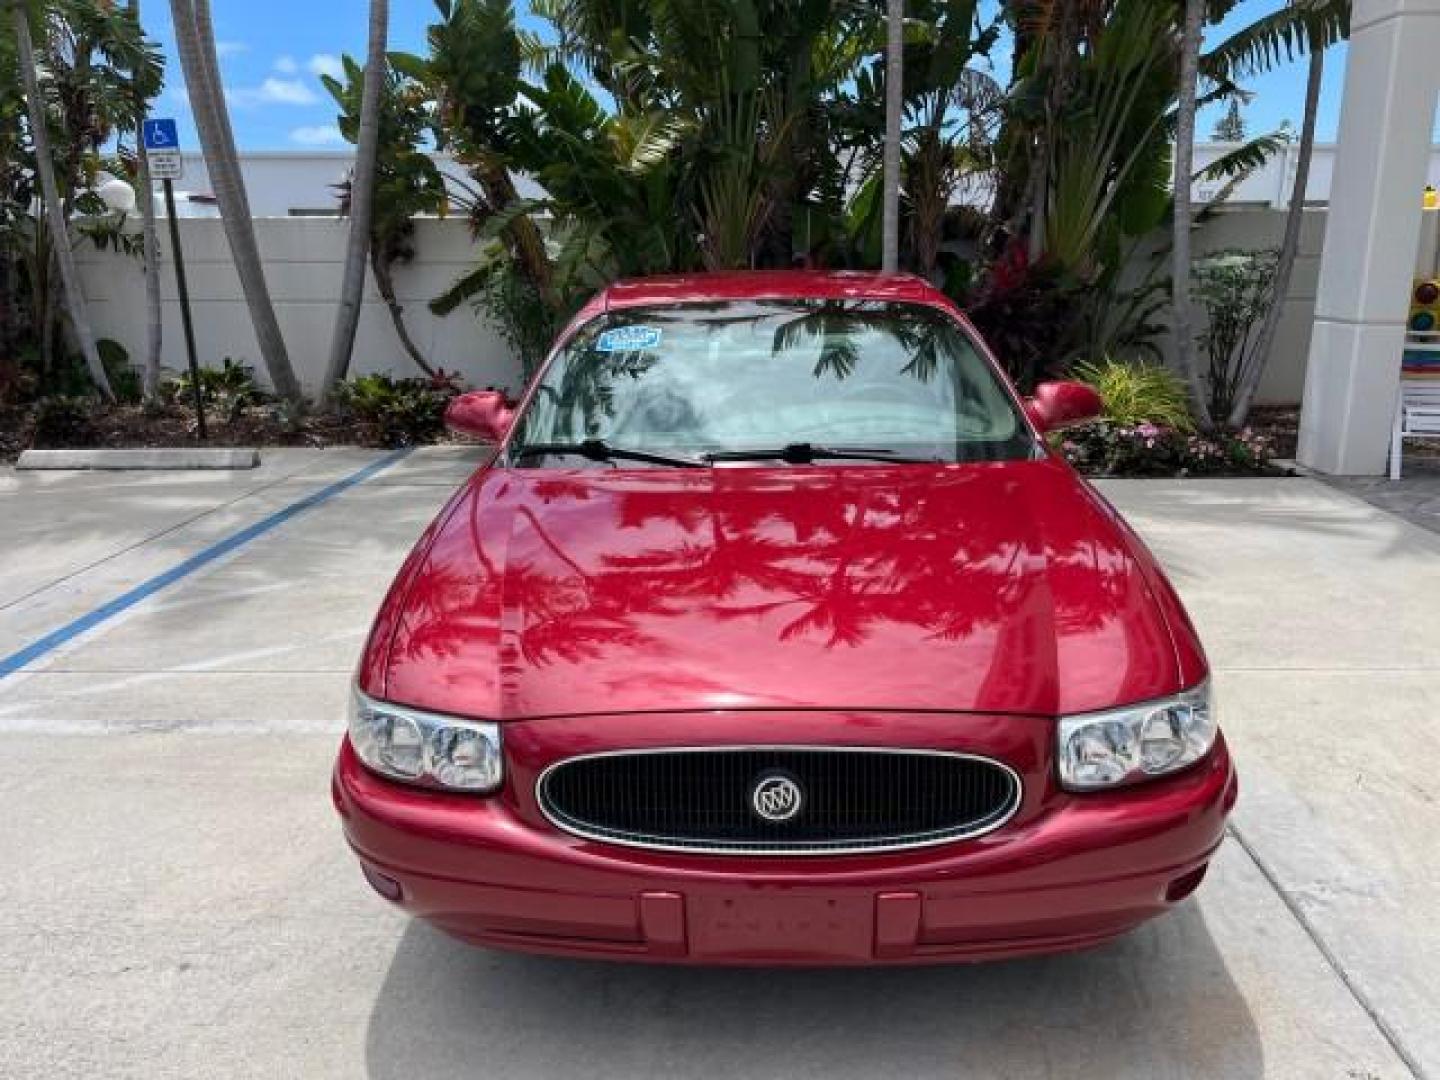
(911, 842)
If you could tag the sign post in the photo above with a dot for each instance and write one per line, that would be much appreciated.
(162, 148)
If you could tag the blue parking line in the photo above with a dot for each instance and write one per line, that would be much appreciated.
(9, 665)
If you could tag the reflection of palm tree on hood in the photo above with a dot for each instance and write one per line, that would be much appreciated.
(965, 587)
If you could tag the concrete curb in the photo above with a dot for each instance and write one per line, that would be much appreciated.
(182, 457)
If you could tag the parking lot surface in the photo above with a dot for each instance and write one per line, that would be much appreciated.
(177, 900)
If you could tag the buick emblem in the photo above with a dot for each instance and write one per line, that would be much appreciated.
(776, 797)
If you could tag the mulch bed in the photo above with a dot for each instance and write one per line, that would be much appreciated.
(135, 426)
(1280, 424)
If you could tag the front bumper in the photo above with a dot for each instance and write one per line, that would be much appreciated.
(1069, 872)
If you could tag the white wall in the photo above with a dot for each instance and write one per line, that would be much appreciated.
(303, 259)
(303, 264)
(283, 182)
(1271, 184)
(280, 183)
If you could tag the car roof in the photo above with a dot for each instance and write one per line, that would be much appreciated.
(769, 285)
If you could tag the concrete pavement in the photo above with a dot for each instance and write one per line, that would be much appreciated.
(177, 900)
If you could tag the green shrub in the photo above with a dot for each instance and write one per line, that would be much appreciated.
(226, 391)
(1237, 289)
(398, 412)
(124, 380)
(62, 420)
(1137, 393)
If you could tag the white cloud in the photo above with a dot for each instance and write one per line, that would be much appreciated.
(273, 91)
(317, 135)
(230, 48)
(286, 65)
(287, 92)
(326, 64)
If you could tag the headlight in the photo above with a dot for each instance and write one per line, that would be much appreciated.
(1100, 750)
(422, 748)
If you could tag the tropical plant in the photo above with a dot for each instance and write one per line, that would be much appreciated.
(79, 68)
(227, 390)
(954, 109)
(718, 133)
(398, 412)
(526, 323)
(195, 39)
(473, 73)
(1108, 171)
(1024, 313)
(408, 183)
(1310, 26)
(54, 211)
(1237, 290)
(125, 381)
(364, 180)
(1138, 393)
(1084, 170)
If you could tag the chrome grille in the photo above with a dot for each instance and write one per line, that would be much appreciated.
(854, 799)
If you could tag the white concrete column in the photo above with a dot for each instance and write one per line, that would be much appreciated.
(1392, 78)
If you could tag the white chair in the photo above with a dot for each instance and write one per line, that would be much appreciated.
(1416, 415)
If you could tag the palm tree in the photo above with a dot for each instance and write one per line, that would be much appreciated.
(1184, 166)
(407, 182)
(195, 37)
(154, 325)
(362, 202)
(894, 109)
(1311, 25)
(1289, 247)
(55, 216)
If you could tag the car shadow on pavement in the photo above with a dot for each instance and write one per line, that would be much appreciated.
(1158, 1002)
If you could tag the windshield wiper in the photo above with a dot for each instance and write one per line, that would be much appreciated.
(804, 453)
(600, 450)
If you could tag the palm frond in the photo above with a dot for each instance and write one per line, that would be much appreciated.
(495, 224)
(1279, 37)
(644, 141)
(1246, 158)
(467, 287)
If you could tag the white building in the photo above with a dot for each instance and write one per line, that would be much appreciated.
(287, 183)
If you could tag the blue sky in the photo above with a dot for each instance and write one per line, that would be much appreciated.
(272, 52)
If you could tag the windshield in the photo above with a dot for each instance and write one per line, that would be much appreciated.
(700, 379)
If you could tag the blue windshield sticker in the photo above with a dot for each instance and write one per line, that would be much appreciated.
(628, 339)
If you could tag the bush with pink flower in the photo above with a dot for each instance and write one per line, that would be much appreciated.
(1105, 448)
(1146, 429)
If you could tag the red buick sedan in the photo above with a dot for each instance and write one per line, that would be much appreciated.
(774, 633)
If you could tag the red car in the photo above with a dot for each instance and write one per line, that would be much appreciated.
(774, 633)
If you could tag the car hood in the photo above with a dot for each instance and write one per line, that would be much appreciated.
(998, 588)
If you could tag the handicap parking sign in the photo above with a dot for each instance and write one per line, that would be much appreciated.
(161, 135)
(162, 145)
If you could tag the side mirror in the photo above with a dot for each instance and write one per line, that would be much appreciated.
(483, 414)
(1059, 405)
